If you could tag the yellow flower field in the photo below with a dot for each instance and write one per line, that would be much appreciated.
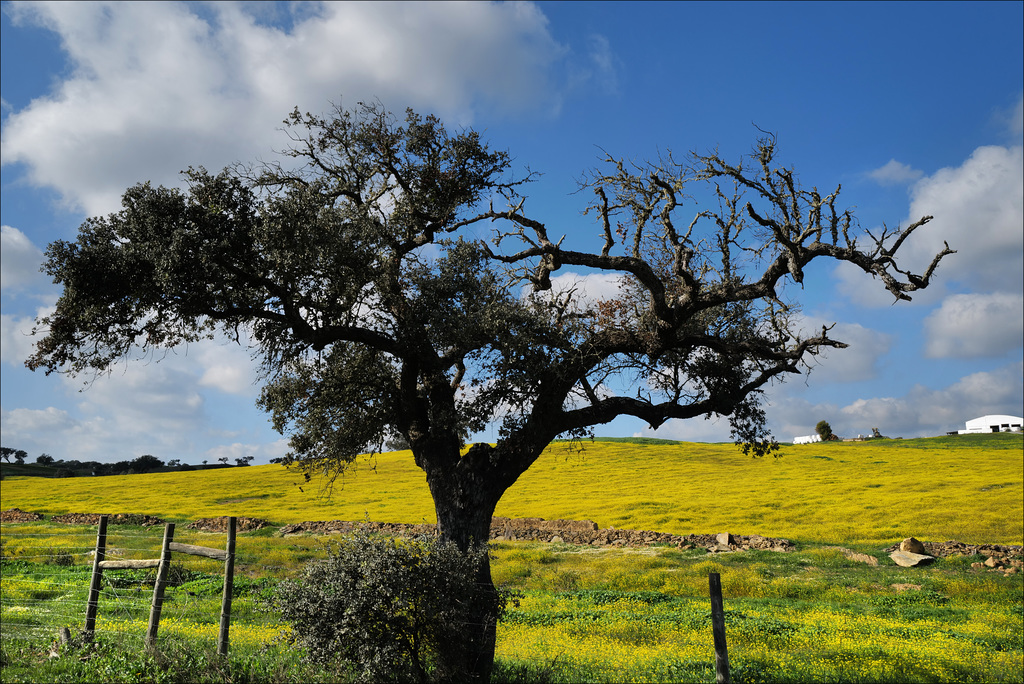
(968, 488)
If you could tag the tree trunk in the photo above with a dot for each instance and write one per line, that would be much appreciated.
(464, 505)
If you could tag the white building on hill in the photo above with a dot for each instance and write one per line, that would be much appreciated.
(809, 439)
(993, 424)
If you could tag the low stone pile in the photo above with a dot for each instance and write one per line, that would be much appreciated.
(998, 557)
(346, 527)
(16, 515)
(577, 532)
(586, 532)
(115, 519)
(220, 525)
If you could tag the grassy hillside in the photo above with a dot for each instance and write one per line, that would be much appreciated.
(968, 487)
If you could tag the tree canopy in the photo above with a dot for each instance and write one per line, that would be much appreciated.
(355, 270)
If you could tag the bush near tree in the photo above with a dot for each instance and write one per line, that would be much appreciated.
(392, 610)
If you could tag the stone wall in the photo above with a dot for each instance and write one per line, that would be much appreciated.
(578, 532)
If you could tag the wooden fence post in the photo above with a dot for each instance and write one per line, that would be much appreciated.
(97, 577)
(718, 629)
(225, 606)
(158, 588)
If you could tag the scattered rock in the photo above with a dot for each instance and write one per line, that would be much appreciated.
(115, 519)
(912, 545)
(577, 532)
(724, 539)
(16, 515)
(220, 525)
(907, 559)
(957, 548)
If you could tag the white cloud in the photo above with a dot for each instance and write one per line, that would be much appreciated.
(227, 367)
(979, 211)
(156, 398)
(261, 453)
(714, 429)
(16, 341)
(587, 288)
(895, 173)
(973, 325)
(598, 68)
(921, 412)
(19, 261)
(1012, 120)
(156, 87)
(22, 422)
(857, 362)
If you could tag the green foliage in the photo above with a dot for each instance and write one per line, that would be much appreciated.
(824, 430)
(394, 610)
(146, 463)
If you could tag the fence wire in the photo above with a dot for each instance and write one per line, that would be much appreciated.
(45, 577)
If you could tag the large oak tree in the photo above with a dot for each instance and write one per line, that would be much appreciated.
(353, 269)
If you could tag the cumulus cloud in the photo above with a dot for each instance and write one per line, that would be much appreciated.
(20, 422)
(714, 429)
(146, 398)
(228, 368)
(165, 405)
(586, 288)
(921, 412)
(975, 325)
(16, 340)
(19, 261)
(979, 210)
(156, 87)
(924, 411)
(857, 362)
(895, 173)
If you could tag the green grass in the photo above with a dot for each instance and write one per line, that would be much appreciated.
(584, 615)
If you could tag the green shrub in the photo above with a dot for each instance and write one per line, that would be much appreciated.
(394, 610)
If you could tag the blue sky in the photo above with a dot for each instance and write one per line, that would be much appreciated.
(914, 108)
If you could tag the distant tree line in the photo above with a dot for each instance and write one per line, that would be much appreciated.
(146, 463)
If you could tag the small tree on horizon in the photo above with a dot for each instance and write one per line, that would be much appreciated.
(824, 430)
(377, 308)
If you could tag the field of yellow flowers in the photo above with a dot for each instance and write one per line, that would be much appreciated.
(583, 614)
